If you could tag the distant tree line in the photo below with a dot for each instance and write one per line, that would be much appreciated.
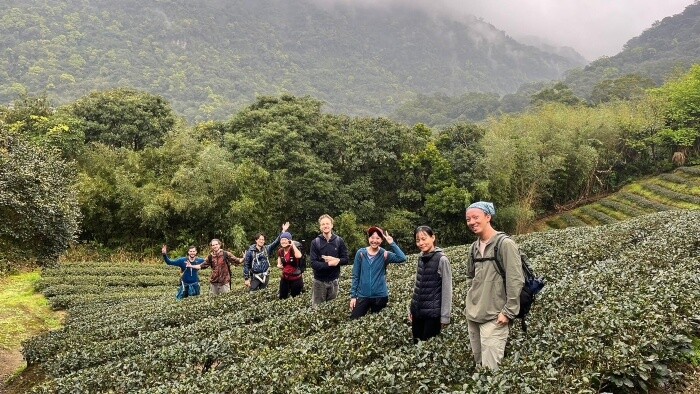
(120, 169)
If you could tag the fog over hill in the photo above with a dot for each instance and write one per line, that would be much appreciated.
(209, 58)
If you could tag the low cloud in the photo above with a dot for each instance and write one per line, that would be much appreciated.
(594, 28)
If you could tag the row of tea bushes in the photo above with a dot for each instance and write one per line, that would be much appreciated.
(615, 314)
(677, 190)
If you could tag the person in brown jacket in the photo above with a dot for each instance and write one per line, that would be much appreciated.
(220, 262)
(492, 302)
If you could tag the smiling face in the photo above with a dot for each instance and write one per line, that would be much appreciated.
(285, 243)
(192, 253)
(260, 241)
(326, 226)
(425, 241)
(375, 241)
(478, 221)
(215, 246)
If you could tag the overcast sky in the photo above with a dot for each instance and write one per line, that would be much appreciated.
(594, 28)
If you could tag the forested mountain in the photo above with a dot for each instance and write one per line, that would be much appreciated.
(210, 58)
(670, 44)
(667, 48)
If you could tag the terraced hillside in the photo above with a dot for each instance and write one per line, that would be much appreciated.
(677, 190)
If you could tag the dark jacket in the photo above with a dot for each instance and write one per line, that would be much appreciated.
(432, 295)
(258, 261)
(335, 247)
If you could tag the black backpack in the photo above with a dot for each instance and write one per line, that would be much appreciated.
(302, 260)
(532, 286)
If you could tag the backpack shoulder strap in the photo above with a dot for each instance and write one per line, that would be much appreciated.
(497, 254)
(228, 263)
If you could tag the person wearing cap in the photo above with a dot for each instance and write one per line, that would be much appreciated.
(256, 263)
(369, 291)
(492, 302)
(290, 260)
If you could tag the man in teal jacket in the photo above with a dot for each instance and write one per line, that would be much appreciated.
(189, 278)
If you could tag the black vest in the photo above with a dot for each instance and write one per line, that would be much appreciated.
(427, 295)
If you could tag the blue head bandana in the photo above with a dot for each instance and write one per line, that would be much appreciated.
(485, 206)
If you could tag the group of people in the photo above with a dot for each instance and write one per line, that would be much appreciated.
(492, 303)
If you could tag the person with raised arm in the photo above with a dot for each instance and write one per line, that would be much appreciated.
(369, 292)
(189, 275)
(256, 266)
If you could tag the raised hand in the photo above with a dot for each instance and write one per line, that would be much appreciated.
(164, 250)
(285, 226)
(388, 238)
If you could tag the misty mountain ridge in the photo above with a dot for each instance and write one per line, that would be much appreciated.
(210, 58)
(669, 45)
(546, 45)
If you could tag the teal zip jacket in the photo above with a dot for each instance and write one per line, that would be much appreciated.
(369, 275)
(189, 275)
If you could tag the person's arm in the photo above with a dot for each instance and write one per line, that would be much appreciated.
(196, 266)
(445, 272)
(356, 274)
(297, 252)
(247, 264)
(207, 263)
(232, 258)
(396, 255)
(514, 277)
(343, 253)
(272, 248)
(317, 262)
(164, 251)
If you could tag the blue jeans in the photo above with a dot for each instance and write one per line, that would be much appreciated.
(188, 290)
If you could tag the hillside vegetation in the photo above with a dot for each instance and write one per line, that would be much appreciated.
(615, 315)
(668, 46)
(662, 52)
(677, 190)
(210, 58)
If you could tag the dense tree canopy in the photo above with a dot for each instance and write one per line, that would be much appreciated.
(284, 159)
(124, 118)
(39, 212)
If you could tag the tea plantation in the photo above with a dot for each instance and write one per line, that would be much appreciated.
(618, 312)
(677, 190)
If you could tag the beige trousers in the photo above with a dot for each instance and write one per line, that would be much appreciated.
(488, 342)
(217, 289)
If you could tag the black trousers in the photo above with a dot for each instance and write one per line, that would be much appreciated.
(295, 287)
(365, 305)
(426, 328)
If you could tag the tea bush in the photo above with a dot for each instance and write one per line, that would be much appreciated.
(615, 315)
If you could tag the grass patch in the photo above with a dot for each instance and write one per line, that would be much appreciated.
(617, 215)
(23, 311)
(695, 354)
